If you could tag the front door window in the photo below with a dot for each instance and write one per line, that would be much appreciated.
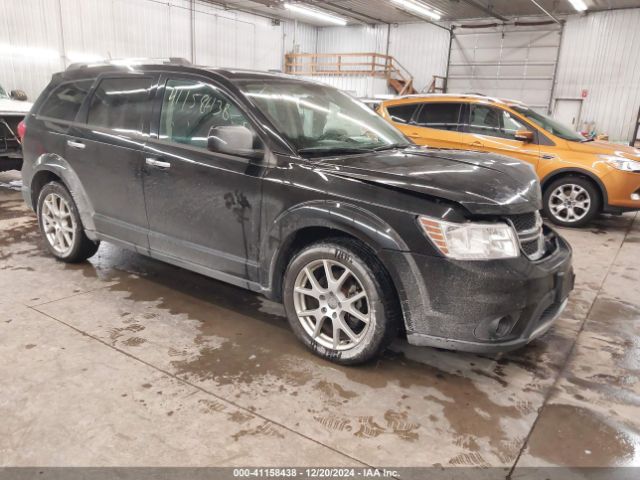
(493, 122)
(191, 108)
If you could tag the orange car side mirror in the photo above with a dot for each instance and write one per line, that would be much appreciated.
(524, 136)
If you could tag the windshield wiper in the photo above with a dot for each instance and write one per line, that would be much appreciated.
(391, 146)
(592, 139)
(333, 150)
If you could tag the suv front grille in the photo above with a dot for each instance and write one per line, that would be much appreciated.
(528, 226)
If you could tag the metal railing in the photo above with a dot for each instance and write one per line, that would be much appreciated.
(347, 64)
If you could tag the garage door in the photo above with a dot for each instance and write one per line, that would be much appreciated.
(507, 62)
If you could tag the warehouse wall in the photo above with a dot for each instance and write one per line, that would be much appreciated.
(354, 38)
(40, 37)
(299, 37)
(421, 48)
(600, 53)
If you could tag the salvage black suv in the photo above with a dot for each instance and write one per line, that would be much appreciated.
(300, 192)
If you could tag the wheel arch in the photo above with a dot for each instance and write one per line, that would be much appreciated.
(306, 224)
(564, 172)
(51, 167)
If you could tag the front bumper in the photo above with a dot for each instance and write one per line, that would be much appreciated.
(623, 191)
(491, 306)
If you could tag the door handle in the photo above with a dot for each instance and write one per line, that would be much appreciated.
(77, 145)
(157, 163)
(476, 144)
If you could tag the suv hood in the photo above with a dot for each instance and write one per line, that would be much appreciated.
(483, 183)
(8, 106)
(605, 148)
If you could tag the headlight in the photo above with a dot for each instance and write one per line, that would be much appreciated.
(621, 163)
(471, 241)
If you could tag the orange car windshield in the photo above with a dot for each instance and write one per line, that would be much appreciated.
(550, 125)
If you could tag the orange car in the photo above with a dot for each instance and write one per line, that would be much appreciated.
(579, 177)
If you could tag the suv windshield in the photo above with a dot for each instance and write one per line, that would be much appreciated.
(319, 120)
(550, 125)
(3, 94)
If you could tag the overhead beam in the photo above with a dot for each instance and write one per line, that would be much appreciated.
(552, 17)
(487, 10)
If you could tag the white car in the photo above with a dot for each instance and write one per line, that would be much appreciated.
(13, 108)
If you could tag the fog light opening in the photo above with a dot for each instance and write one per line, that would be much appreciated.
(502, 326)
(636, 195)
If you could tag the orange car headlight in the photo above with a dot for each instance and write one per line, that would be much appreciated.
(621, 163)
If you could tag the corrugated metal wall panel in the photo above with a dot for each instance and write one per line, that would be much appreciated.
(357, 38)
(422, 49)
(236, 39)
(129, 28)
(28, 55)
(115, 28)
(299, 37)
(179, 34)
(362, 87)
(601, 53)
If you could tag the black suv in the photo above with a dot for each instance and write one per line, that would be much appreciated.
(298, 191)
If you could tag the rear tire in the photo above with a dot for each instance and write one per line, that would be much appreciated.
(571, 201)
(60, 225)
(352, 318)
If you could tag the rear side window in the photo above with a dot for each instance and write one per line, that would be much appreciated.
(402, 113)
(65, 101)
(121, 104)
(442, 116)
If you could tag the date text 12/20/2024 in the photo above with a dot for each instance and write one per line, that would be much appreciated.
(314, 473)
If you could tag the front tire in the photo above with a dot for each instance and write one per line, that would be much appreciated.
(571, 201)
(61, 226)
(340, 301)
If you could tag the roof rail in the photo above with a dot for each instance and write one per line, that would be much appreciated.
(130, 61)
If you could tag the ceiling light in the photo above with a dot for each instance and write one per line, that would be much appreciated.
(419, 8)
(312, 12)
(579, 5)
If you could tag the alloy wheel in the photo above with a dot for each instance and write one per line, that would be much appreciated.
(569, 203)
(331, 304)
(58, 223)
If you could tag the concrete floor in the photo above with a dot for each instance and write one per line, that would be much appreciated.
(127, 361)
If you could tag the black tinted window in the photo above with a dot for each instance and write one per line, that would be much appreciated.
(402, 113)
(121, 104)
(443, 116)
(65, 101)
(494, 122)
(190, 108)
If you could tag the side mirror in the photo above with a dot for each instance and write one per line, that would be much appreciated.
(18, 95)
(235, 140)
(524, 136)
